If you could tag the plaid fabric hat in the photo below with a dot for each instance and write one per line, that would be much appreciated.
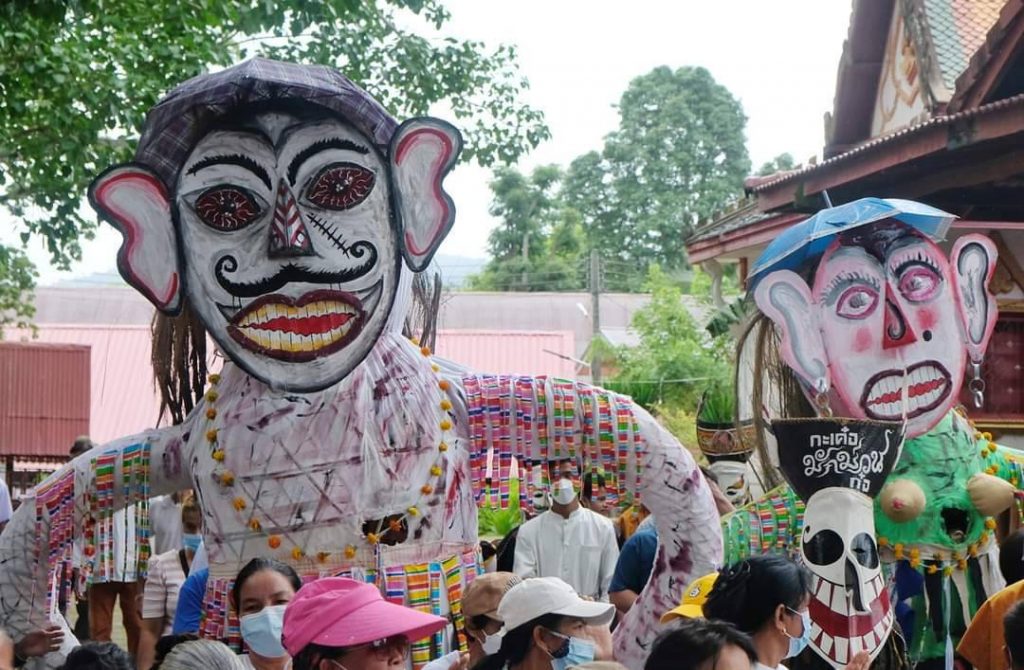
(178, 121)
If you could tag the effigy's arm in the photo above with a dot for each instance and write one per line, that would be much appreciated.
(77, 503)
(769, 524)
(536, 420)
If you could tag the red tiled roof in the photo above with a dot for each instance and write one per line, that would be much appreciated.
(983, 70)
(522, 351)
(124, 399)
(44, 398)
(956, 29)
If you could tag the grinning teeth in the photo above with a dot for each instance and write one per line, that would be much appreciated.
(869, 641)
(839, 601)
(842, 644)
(869, 593)
(826, 643)
(880, 629)
(825, 592)
(260, 327)
(855, 645)
(815, 631)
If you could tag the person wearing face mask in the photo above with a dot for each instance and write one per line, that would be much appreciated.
(261, 592)
(338, 623)
(766, 597)
(167, 572)
(480, 606)
(547, 626)
(568, 541)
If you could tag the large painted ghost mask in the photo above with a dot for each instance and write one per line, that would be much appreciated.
(286, 222)
(880, 334)
(888, 324)
(286, 258)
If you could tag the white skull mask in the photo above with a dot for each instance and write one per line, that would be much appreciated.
(850, 605)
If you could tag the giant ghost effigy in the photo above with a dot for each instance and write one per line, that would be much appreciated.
(284, 208)
(877, 329)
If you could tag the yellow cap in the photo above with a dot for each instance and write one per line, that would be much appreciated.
(696, 595)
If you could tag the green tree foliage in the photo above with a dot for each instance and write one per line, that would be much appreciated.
(677, 157)
(672, 348)
(77, 76)
(17, 277)
(780, 163)
(538, 245)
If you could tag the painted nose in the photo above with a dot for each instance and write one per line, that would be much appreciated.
(288, 235)
(898, 332)
(853, 588)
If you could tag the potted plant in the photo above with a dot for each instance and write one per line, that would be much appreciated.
(717, 432)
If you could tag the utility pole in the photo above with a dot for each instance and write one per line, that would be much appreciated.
(595, 310)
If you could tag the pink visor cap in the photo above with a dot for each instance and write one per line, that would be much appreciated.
(342, 612)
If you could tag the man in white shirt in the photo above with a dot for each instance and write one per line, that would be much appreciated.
(165, 523)
(569, 542)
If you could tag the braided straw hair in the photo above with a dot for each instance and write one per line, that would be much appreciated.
(179, 361)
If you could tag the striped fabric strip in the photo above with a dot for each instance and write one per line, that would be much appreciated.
(394, 584)
(453, 583)
(417, 578)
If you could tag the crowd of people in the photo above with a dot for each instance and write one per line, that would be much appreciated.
(574, 573)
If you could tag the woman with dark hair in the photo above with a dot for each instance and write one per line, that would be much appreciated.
(546, 626)
(262, 589)
(700, 644)
(766, 597)
(98, 656)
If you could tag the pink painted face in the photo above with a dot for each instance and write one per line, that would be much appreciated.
(889, 325)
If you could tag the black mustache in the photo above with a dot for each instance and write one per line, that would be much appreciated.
(292, 273)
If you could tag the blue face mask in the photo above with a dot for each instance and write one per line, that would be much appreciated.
(798, 644)
(262, 631)
(574, 651)
(191, 541)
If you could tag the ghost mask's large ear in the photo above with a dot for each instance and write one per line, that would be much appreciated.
(422, 152)
(974, 262)
(134, 200)
(785, 299)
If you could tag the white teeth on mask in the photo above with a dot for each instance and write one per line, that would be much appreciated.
(824, 593)
(815, 631)
(870, 641)
(880, 628)
(838, 604)
(842, 644)
(826, 643)
(870, 593)
(894, 385)
(855, 645)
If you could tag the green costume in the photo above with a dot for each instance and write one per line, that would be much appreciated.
(948, 552)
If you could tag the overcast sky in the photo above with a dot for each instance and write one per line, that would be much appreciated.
(779, 58)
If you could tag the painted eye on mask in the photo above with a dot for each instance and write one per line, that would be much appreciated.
(824, 548)
(226, 208)
(857, 302)
(340, 186)
(919, 283)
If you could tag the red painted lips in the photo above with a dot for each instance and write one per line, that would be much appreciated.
(315, 324)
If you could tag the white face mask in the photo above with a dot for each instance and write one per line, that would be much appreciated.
(563, 493)
(491, 644)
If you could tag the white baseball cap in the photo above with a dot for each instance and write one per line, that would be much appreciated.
(538, 596)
